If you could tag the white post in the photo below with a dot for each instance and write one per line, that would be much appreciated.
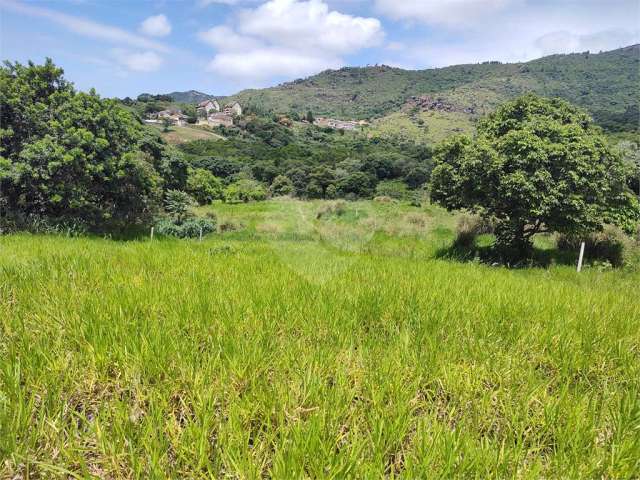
(581, 257)
(200, 233)
(151, 233)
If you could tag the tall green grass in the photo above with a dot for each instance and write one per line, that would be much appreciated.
(265, 355)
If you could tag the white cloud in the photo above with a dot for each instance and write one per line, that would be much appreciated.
(261, 64)
(310, 25)
(523, 31)
(156, 26)
(567, 42)
(225, 39)
(287, 38)
(137, 61)
(85, 27)
(445, 12)
(204, 3)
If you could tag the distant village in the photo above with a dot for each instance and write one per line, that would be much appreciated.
(339, 124)
(209, 113)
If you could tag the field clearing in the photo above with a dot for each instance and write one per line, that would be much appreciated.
(304, 342)
(177, 135)
(429, 127)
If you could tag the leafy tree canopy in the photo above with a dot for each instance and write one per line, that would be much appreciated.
(536, 165)
(72, 156)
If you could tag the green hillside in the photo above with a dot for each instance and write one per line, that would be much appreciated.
(192, 96)
(607, 84)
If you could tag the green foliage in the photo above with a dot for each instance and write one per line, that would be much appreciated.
(243, 191)
(243, 357)
(71, 157)
(537, 165)
(392, 188)
(281, 186)
(188, 228)
(357, 185)
(204, 186)
(606, 84)
(310, 117)
(611, 245)
(312, 159)
(178, 205)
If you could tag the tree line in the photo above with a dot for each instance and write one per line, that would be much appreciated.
(68, 157)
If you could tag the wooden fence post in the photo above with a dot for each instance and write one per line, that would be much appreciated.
(581, 257)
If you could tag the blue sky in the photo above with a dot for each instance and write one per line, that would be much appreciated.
(125, 47)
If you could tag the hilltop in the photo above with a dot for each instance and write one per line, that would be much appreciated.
(191, 96)
(606, 84)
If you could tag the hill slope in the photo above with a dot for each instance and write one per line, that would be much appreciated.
(607, 84)
(191, 96)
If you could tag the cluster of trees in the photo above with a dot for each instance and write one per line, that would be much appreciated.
(73, 157)
(313, 163)
(146, 104)
(535, 165)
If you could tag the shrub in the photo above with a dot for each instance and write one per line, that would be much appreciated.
(230, 225)
(332, 191)
(281, 186)
(188, 229)
(392, 188)
(417, 219)
(204, 186)
(338, 209)
(34, 223)
(357, 184)
(469, 227)
(611, 245)
(244, 190)
(178, 205)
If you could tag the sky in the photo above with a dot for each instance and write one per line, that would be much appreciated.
(126, 47)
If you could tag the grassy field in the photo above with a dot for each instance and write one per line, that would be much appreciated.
(317, 340)
(177, 135)
(429, 127)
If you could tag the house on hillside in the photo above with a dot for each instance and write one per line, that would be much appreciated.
(234, 109)
(175, 117)
(218, 120)
(336, 124)
(207, 107)
(210, 113)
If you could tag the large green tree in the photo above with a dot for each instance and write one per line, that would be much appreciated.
(536, 165)
(72, 156)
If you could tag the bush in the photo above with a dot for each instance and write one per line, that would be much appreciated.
(281, 186)
(338, 209)
(392, 188)
(204, 186)
(357, 184)
(188, 229)
(244, 191)
(332, 191)
(33, 223)
(178, 205)
(469, 227)
(611, 245)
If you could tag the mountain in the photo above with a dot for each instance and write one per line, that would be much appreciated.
(607, 84)
(192, 96)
